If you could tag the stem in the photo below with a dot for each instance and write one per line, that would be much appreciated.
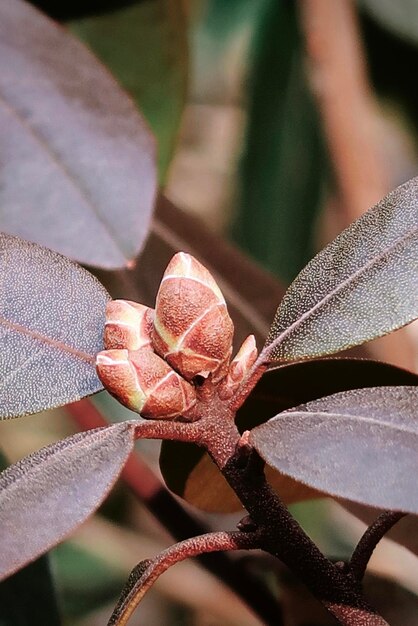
(365, 547)
(280, 534)
(181, 524)
(146, 573)
(284, 538)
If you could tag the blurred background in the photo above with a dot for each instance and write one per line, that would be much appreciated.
(278, 123)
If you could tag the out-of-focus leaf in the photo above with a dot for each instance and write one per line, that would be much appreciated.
(401, 16)
(284, 161)
(361, 286)
(46, 495)
(51, 327)
(84, 581)
(27, 598)
(361, 445)
(198, 480)
(77, 167)
(145, 46)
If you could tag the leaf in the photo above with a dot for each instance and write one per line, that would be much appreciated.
(251, 292)
(145, 46)
(51, 327)
(361, 286)
(361, 445)
(77, 170)
(196, 478)
(46, 495)
(284, 161)
(28, 598)
(85, 581)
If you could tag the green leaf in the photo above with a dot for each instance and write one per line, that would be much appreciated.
(198, 481)
(28, 598)
(46, 495)
(360, 444)
(361, 286)
(51, 328)
(77, 171)
(284, 161)
(84, 581)
(145, 46)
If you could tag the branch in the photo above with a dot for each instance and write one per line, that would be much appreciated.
(365, 547)
(180, 523)
(340, 83)
(146, 573)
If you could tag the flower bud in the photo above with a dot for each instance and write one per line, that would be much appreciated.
(128, 325)
(118, 376)
(192, 329)
(145, 383)
(239, 367)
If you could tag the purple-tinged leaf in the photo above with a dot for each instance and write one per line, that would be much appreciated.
(197, 480)
(51, 327)
(77, 167)
(362, 285)
(46, 495)
(361, 445)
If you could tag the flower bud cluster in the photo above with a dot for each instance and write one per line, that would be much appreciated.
(153, 358)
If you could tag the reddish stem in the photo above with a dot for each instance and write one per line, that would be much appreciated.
(178, 521)
(146, 573)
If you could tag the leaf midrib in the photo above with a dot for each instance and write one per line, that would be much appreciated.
(54, 343)
(321, 303)
(348, 417)
(58, 163)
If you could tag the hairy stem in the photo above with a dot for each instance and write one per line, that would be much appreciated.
(181, 523)
(146, 573)
(365, 547)
(280, 534)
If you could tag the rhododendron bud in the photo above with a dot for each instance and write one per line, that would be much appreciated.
(240, 366)
(119, 377)
(128, 325)
(145, 383)
(192, 328)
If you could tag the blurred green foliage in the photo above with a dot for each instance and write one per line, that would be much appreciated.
(84, 581)
(145, 46)
(284, 164)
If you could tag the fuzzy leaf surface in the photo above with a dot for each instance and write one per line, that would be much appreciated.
(77, 168)
(362, 285)
(361, 445)
(46, 495)
(51, 327)
(197, 480)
